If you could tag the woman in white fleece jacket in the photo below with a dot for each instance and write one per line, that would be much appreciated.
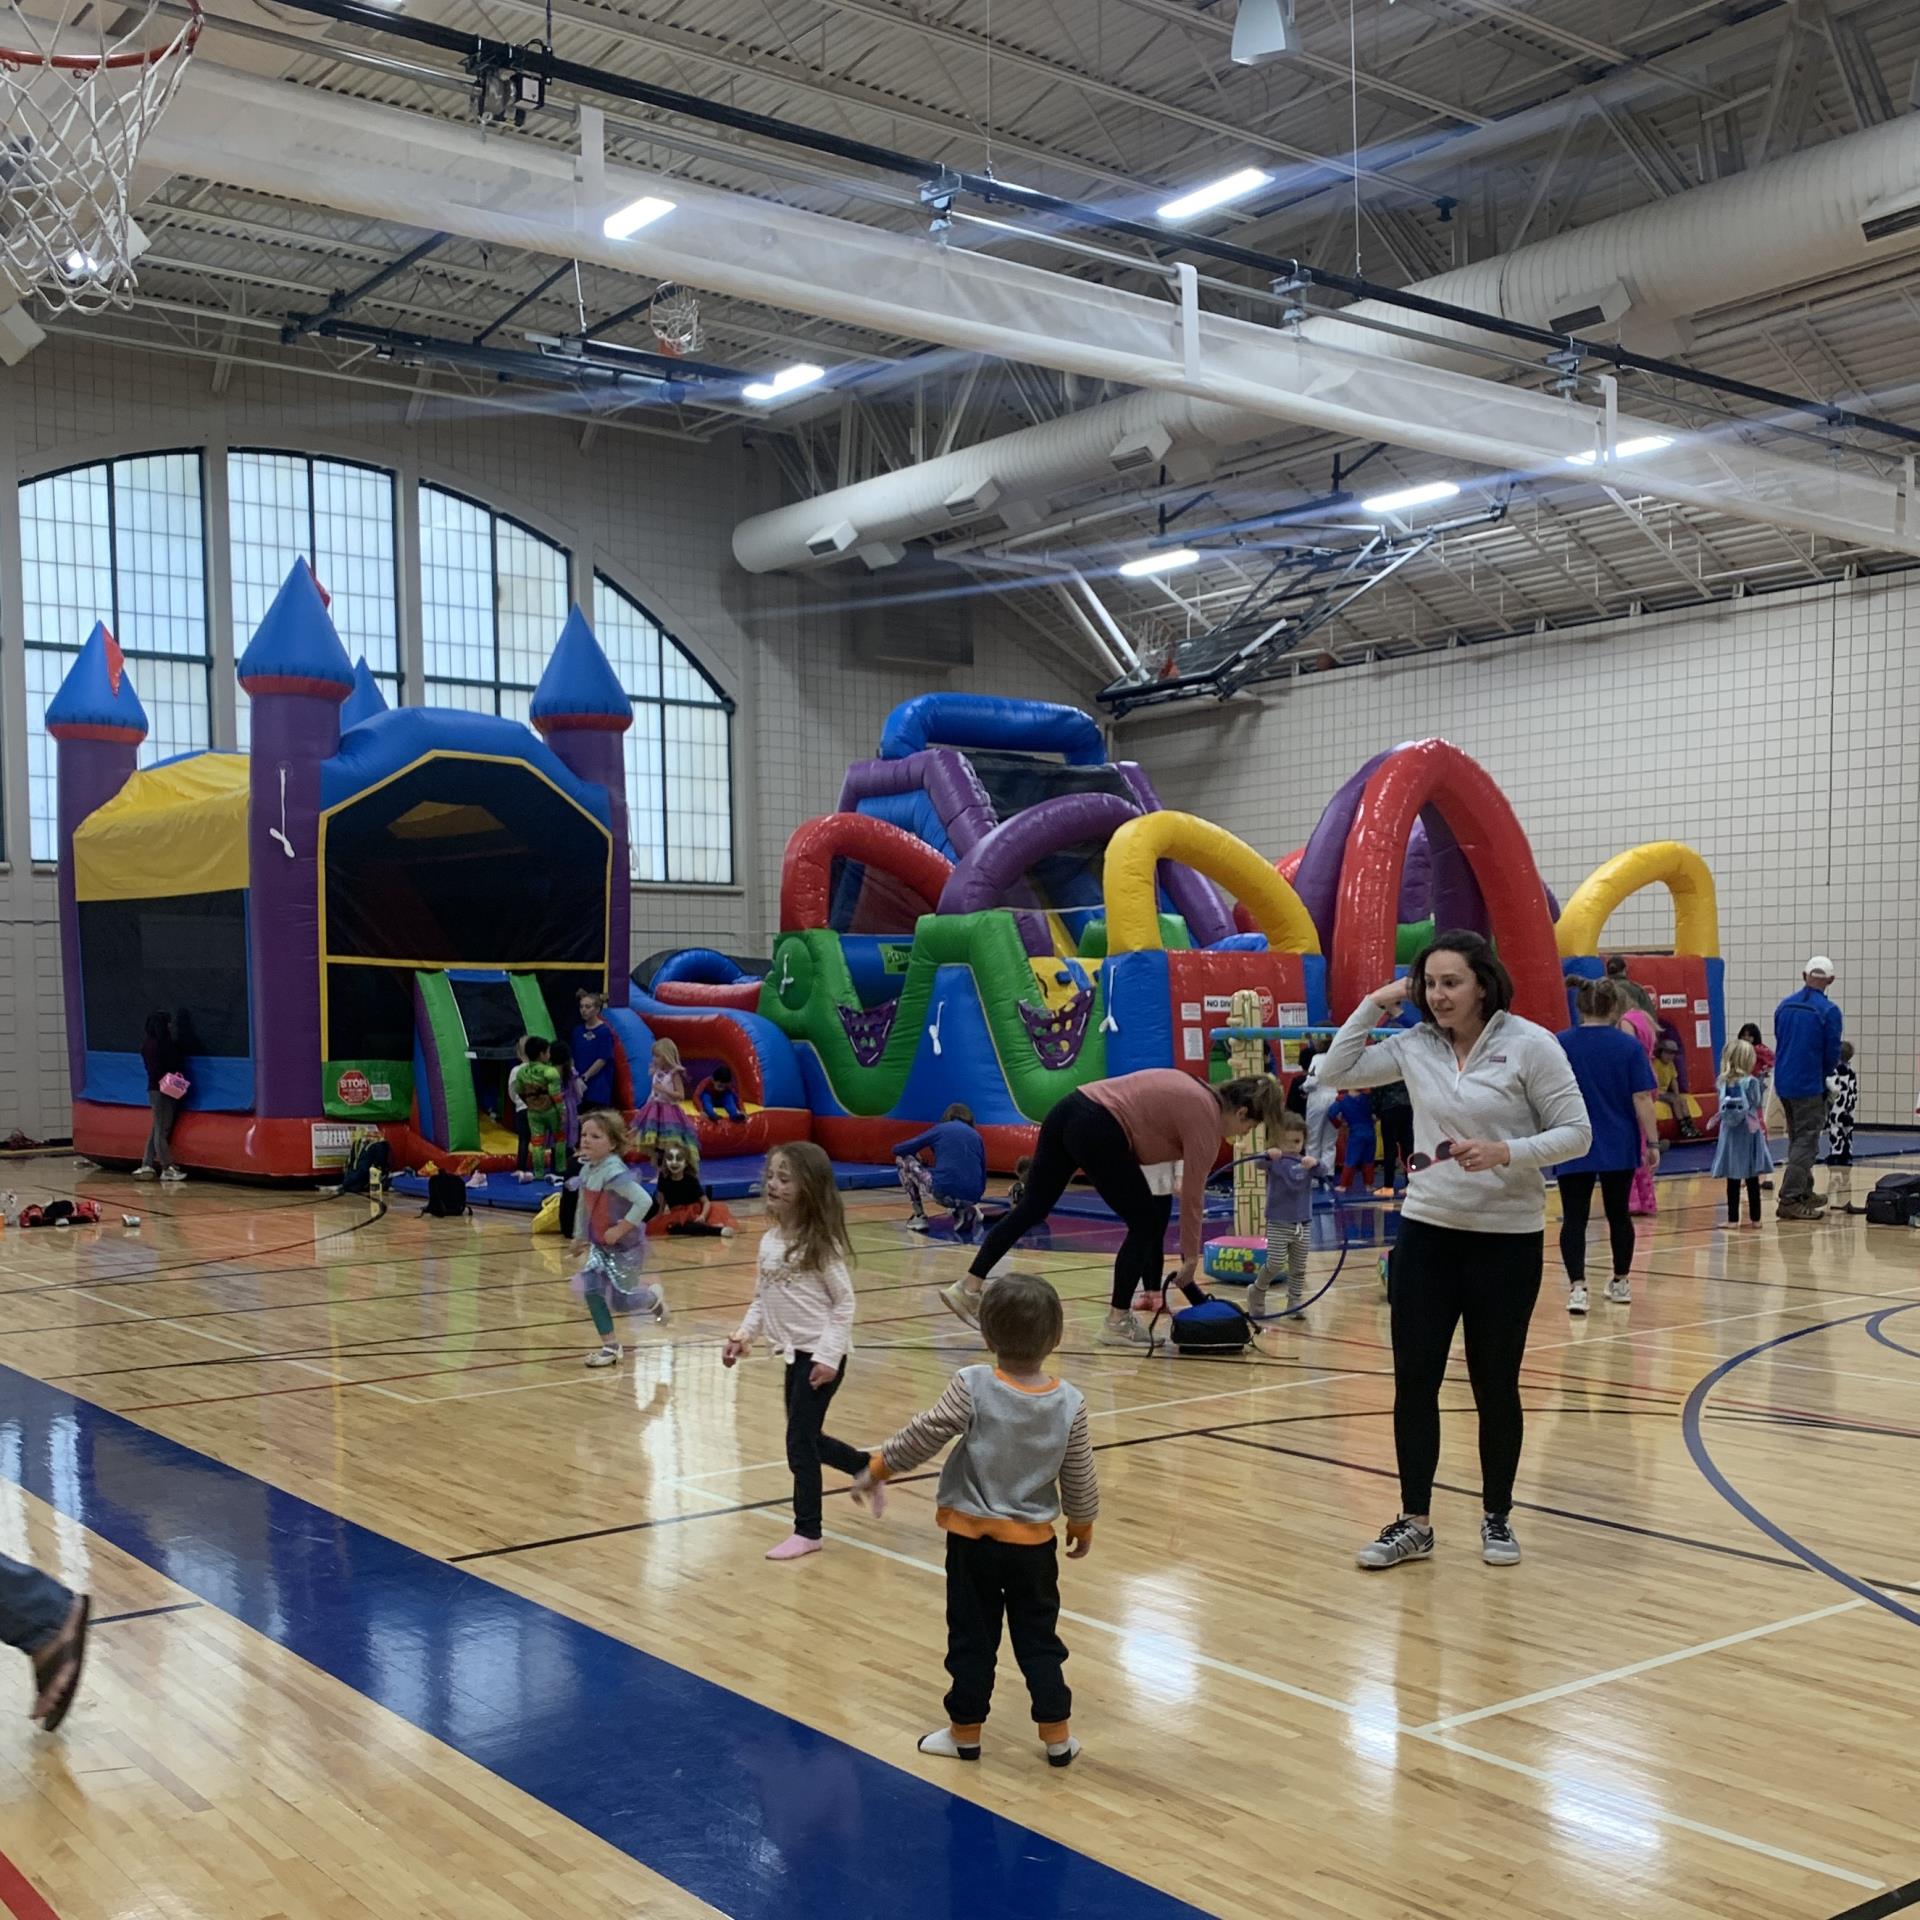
(1494, 1102)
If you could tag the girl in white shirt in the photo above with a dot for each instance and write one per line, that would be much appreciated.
(803, 1307)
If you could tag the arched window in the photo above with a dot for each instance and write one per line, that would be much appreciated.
(121, 541)
(339, 515)
(680, 752)
(493, 597)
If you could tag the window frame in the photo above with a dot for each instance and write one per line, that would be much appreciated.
(722, 700)
(107, 463)
(495, 515)
(392, 477)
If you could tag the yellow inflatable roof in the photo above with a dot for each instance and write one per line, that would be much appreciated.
(173, 829)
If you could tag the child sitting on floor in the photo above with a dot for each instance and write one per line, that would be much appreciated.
(683, 1206)
(1023, 1456)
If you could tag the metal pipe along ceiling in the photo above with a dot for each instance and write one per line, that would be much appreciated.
(1788, 223)
(1209, 378)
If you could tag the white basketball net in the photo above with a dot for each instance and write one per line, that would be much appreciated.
(81, 82)
(674, 316)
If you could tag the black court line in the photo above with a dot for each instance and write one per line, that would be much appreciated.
(1894, 1900)
(144, 1613)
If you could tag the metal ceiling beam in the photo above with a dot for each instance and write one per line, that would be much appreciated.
(346, 300)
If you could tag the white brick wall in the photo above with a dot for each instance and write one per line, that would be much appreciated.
(1779, 736)
(653, 513)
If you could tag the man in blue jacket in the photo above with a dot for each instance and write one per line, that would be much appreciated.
(1806, 1049)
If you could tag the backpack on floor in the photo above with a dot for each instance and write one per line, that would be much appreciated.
(1894, 1201)
(1214, 1328)
(367, 1158)
(446, 1196)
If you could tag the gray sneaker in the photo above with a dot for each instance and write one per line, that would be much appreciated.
(962, 1303)
(1399, 1540)
(1122, 1333)
(1498, 1547)
(1257, 1300)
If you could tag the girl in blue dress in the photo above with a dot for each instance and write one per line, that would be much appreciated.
(1741, 1154)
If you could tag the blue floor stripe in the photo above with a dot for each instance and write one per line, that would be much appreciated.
(753, 1812)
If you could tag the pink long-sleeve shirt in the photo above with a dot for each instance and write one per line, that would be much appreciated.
(1169, 1115)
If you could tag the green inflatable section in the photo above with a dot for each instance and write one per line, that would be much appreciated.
(808, 983)
(450, 1048)
(534, 1017)
(1173, 936)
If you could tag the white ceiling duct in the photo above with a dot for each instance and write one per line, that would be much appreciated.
(1794, 221)
(1212, 379)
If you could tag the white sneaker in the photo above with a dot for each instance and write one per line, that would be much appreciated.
(523, 1177)
(144, 1172)
(1122, 1333)
(608, 1356)
(1498, 1547)
(173, 1175)
(962, 1302)
(1620, 1290)
(918, 1224)
(1399, 1540)
(1576, 1299)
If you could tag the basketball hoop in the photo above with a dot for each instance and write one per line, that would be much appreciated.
(77, 98)
(674, 316)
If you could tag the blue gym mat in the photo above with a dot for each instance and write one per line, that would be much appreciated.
(731, 1178)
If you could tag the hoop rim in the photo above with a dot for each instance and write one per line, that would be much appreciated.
(112, 62)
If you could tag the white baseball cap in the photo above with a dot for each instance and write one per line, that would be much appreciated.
(1821, 965)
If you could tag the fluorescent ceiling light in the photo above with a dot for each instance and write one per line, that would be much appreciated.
(1151, 563)
(1236, 186)
(635, 215)
(1626, 450)
(787, 380)
(1410, 497)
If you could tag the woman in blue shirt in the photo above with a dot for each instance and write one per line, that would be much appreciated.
(1616, 1081)
(592, 1050)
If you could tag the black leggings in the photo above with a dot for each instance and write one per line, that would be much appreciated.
(1439, 1277)
(1081, 1136)
(808, 1444)
(1396, 1142)
(1576, 1202)
(1753, 1200)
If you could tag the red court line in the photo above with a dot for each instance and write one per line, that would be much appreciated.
(21, 1897)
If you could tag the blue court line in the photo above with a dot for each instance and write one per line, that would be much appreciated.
(755, 1813)
(1703, 1458)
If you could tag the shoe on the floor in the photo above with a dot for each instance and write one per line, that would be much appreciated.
(962, 1302)
(942, 1742)
(1122, 1333)
(918, 1224)
(1060, 1753)
(172, 1176)
(144, 1172)
(608, 1356)
(1798, 1210)
(1257, 1300)
(523, 1177)
(1399, 1540)
(796, 1546)
(1620, 1290)
(1498, 1547)
(1576, 1299)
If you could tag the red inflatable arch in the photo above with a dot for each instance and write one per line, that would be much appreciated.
(1435, 773)
(806, 873)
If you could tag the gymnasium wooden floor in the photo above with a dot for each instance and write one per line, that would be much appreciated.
(419, 1617)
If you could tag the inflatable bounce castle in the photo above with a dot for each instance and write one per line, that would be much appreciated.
(353, 924)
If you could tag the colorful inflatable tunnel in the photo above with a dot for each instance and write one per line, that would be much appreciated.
(1688, 985)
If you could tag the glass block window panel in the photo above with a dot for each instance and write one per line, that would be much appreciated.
(122, 541)
(493, 598)
(679, 752)
(338, 517)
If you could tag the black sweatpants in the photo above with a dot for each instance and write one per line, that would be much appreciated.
(1437, 1279)
(1396, 1141)
(1576, 1202)
(808, 1445)
(989, 1578)
(1079, 1135)
(1753, 1200)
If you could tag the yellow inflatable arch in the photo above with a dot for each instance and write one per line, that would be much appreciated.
(1128, 880)
(1696, 909)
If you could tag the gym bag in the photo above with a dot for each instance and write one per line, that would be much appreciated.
(1894, 1201)
(446, 1196)
(1213, 1328)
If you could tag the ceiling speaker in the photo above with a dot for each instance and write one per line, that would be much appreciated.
(1263, 30)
